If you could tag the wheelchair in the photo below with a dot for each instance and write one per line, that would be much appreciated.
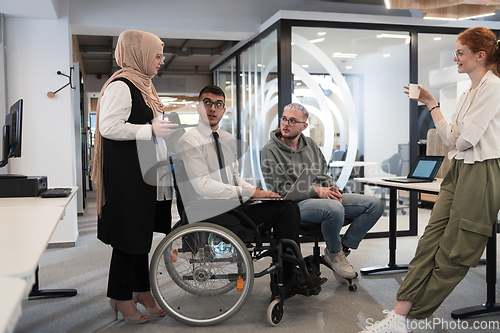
(202, 273)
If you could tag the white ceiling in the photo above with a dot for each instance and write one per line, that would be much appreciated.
(196, 23)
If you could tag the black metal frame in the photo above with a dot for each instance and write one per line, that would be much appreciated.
(285, 89)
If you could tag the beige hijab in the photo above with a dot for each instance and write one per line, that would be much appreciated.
(134, 53)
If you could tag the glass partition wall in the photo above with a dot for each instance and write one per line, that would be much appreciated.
(225, 78)
(350, 77)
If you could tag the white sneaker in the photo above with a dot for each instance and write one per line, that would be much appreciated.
(392, 323)
(339, 264)
(339, 278)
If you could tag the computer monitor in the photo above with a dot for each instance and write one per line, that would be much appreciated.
(12, 134)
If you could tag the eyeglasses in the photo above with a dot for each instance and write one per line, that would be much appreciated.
(291, 122)
(457, 54)
(160, 57)
(208, 104)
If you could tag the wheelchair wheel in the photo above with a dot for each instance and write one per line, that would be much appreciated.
(275, 313)
(201, 274)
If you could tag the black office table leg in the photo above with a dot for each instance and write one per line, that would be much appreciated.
(36, 293)
(491, 271)
(391, 266)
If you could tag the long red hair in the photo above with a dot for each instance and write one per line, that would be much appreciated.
(483, 39)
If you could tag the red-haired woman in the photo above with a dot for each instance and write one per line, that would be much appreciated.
(469, 199)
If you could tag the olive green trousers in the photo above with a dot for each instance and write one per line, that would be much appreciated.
(456, 236)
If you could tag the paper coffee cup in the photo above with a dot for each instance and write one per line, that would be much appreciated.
(414, 91)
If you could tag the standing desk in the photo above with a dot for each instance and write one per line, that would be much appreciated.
(26, 226)
(12, 292)
(433, 188)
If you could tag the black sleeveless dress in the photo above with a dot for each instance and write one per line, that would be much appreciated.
(128, 216)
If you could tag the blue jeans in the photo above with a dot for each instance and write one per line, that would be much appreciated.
(364, 210)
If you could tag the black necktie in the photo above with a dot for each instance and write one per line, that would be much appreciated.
(220, 157)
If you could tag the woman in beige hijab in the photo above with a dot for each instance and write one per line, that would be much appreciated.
(128, 133)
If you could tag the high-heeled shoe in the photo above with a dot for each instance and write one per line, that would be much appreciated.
(154, 311)
(136, 318)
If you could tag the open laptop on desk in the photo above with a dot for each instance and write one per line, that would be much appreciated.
(423, 170)
(301, 185)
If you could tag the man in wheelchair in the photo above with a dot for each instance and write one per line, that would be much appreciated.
(218, 194)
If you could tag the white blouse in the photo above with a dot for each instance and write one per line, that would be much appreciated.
(474, 131)
(115, 108)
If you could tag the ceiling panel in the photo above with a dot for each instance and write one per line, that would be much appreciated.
(181, 55)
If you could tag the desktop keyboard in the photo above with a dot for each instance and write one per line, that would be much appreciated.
(56, 192)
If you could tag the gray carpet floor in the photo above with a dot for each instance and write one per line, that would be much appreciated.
(85, 268)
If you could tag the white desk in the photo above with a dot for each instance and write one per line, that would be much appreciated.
(432, 188)
(340, 164)
(12, 292)
(24, 235)
(26, 226)
(38, 201)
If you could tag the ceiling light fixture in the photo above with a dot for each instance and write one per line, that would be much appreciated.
(312, 41)
(437, 38)
(392, 36)
(344, 55)
(168, 99)
(321, 33)
(305, 66)
(477, 16)
(387, 55)
(348, 67)
(438, 18)
(451, 10)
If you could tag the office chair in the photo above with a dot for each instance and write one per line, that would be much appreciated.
(393, 165)
(310, 232)
(337, 155)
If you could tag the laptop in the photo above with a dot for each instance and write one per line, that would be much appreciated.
(423, 170)
(301, 185)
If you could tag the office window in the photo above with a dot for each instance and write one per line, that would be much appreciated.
(259, 102)
(437, 71)
(225, 78)
(352, 81)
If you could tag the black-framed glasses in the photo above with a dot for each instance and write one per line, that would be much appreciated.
(291, 122)
(208, 104)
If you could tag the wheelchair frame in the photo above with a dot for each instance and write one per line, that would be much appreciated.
(200, 282)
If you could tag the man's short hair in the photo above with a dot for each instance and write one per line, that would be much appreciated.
(212, 90)
(297, 107)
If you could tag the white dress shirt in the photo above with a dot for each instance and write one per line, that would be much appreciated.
(115, 108)
(474, 131)
(197, 149)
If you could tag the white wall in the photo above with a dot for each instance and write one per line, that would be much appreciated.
(386, 109)
(214, 19)
(3, 97)
(35, 50)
